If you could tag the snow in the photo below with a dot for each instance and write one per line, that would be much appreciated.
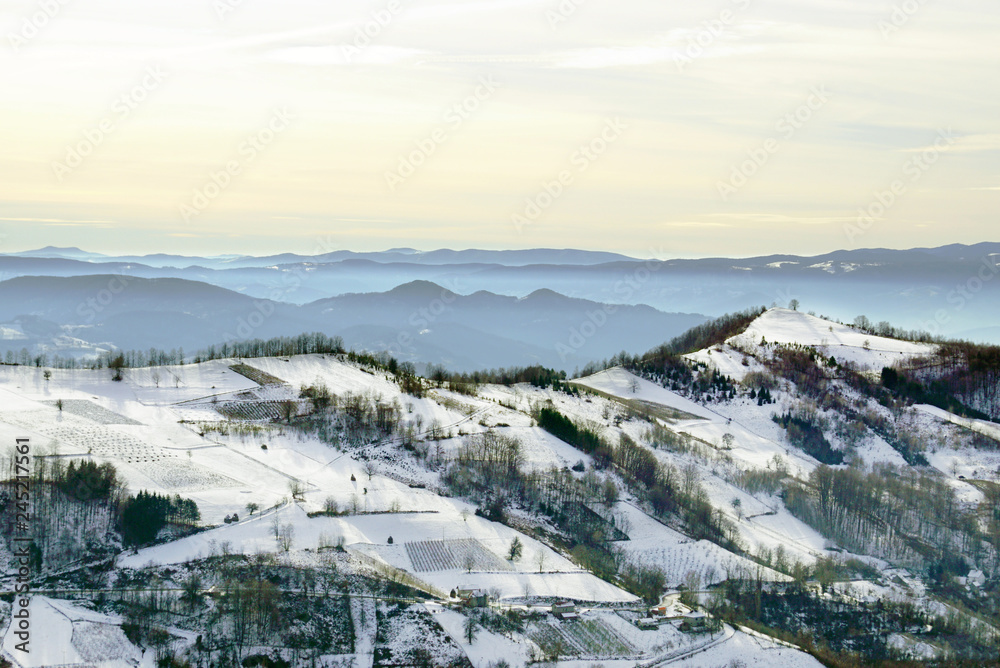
(752, 650)
(157, 439)
(990, 429)
(784, 326)
(779, 325)
(368, 534)
(62, 633)
(727, 360)
(488, 647)
(619, 382)
(912, 647)
(651, 543)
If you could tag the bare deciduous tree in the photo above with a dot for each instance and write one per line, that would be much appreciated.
(289, 409)
(286, 537)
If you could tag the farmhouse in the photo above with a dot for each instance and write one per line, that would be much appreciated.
(658, 611)
(696, 622)
(564, 610)
(471, 596)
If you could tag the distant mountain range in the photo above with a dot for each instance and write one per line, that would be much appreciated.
(952, 290)
(417, 321)
(407, 255)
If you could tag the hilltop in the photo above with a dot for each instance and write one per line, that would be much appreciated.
(627, 487)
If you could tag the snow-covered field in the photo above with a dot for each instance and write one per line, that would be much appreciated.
(162, 430)
(784, 326)
(64, 634)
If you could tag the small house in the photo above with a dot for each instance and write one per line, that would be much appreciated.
(695, 622)
(464, 591)
(564, 610)
(477, 599)
(472, 597)
(648, 624)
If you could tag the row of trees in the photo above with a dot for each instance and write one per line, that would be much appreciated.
(74, 509)
(887, 330)
(966, 371)
(352, 418)
(897, 514)
(302, 344)
(488, 469)
(264, 613)
(806, 432)
(143, 516)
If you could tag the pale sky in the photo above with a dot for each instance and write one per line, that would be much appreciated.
(736, 128)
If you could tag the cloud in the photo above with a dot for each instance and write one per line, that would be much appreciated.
(345, 54)
(972, 143)
(783, 219)
(695, 223)
(59, 222)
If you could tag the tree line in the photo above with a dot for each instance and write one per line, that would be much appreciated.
(898, 514)
(144, 515)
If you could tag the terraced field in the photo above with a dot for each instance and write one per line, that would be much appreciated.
(76, 435)
(250, 410)
(178, 475)
(709, 562)
(446, 555)
(262, 378)
(583, 638)
(92, 411)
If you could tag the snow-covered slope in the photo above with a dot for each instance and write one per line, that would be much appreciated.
(785, 326)
(164, 431)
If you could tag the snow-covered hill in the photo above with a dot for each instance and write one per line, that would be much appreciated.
(384, 506)
(785, 326)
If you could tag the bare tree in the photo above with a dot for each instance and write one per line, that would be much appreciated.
(330, 505)
(540, 559)
(609, 492)
(251, 507)
(191, 587)
(369, 468)
(289, 409)
(286, 537)
(689, 477)
(469, 628)
(275, 525)
(156, 378)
